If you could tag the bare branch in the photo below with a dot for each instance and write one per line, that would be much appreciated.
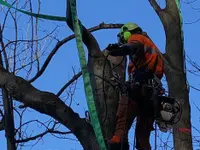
(197, 20)
(196, 107)
(3, 48)
(36, 34)
(1, 112)
(16, 39)
(60, 43)
(193, 63)
(2, 125)
(187, 2)
(190, 3)
(2, 121)
(195, 88)
(75, 77)
(37, 40)
(41, 135)
(88, 39)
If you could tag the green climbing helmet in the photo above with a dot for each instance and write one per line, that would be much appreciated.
(126, 31)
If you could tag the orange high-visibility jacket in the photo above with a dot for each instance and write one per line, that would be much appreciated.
(143, 53)
(150, 57)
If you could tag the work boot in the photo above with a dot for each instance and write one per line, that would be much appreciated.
(115, 139)
(116, 144)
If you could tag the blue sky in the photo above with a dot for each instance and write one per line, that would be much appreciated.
(92, 13)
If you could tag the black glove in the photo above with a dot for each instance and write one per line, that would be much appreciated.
(112, 47)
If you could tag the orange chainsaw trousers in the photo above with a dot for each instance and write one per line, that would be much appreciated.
(128, 110)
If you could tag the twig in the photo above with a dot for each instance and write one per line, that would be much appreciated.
(196, 106)
(41, 135)
(36, 35)
(195, 88)
(2, 121)
(75, 77)
(2, 124)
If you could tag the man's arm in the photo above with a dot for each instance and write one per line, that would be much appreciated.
(126, 49)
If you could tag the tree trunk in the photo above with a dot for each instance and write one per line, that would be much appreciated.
(175, 73)
(9, 121)
(106, 98)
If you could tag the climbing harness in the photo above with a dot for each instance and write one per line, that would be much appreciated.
(152, 90)
(167, 110)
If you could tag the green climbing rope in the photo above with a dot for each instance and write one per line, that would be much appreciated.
(48, 17)
(182, 36)
(181, 18)
(86, 77)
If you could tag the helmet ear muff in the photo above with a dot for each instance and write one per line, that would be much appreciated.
(127, 35)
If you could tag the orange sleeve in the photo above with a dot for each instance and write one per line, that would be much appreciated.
(136, 38)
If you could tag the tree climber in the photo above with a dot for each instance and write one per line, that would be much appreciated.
(143, 61)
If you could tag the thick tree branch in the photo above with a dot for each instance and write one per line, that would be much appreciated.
(155, 5)
(62, 42)
(47, 103)
(160, 12)
(88, 39)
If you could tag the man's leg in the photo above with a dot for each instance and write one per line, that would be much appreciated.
(144, 126)
(125, 116)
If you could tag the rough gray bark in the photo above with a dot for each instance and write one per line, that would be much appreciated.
(174, 70)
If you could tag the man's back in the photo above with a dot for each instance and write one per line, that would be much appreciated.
(147, 56)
